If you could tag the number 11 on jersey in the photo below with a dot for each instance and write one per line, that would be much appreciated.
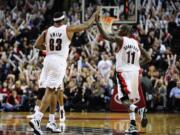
(131, 57)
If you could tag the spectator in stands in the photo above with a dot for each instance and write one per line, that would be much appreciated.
(12, 102)
(104, 67)
(175, 97)
(160, 94)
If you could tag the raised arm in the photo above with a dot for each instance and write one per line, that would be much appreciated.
(83, 26)
(114, 38)
(40, 42)
(146, 56)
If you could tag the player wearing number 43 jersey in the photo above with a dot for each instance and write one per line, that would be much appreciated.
(128, 54)
(55, 40)
(57, 46)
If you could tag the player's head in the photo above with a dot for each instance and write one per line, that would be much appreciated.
(59, 18)
(124, 30)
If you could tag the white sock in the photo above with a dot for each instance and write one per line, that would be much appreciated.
(61, 108)
(132, 107)
(36, 108)
(132, 116)
(52, 118)
(38, 115)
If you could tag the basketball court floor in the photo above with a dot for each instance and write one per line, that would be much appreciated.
(16, 123)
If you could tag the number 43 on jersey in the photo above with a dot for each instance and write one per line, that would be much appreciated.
(55, 44)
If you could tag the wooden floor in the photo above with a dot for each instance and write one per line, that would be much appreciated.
(92, 124)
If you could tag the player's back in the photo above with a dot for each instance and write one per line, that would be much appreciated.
(127, 58)
(57, 41)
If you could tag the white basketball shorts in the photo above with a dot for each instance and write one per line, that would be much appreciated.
(53, 72)
(127, 84)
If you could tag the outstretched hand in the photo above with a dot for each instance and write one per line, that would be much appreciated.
(97, 14)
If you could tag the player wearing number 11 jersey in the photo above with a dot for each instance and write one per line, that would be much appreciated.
(56, 41)
(128, 54)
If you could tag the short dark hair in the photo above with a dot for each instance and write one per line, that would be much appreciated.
(58, 15)
(126, 29)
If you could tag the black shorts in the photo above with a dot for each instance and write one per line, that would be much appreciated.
(41, 93)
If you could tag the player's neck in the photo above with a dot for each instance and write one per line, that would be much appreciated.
(58, 24)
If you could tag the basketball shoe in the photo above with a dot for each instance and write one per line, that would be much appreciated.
(53, 127)
(132, 130)
(35, 124)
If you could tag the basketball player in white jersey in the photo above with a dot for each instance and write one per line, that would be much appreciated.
(128, 54)
(56, 40)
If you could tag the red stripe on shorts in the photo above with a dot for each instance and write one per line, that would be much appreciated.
(123, 83)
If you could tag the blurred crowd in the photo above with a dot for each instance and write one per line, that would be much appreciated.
(89, 79)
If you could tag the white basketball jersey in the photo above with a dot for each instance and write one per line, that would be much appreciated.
(127, 58)
(57, 41)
